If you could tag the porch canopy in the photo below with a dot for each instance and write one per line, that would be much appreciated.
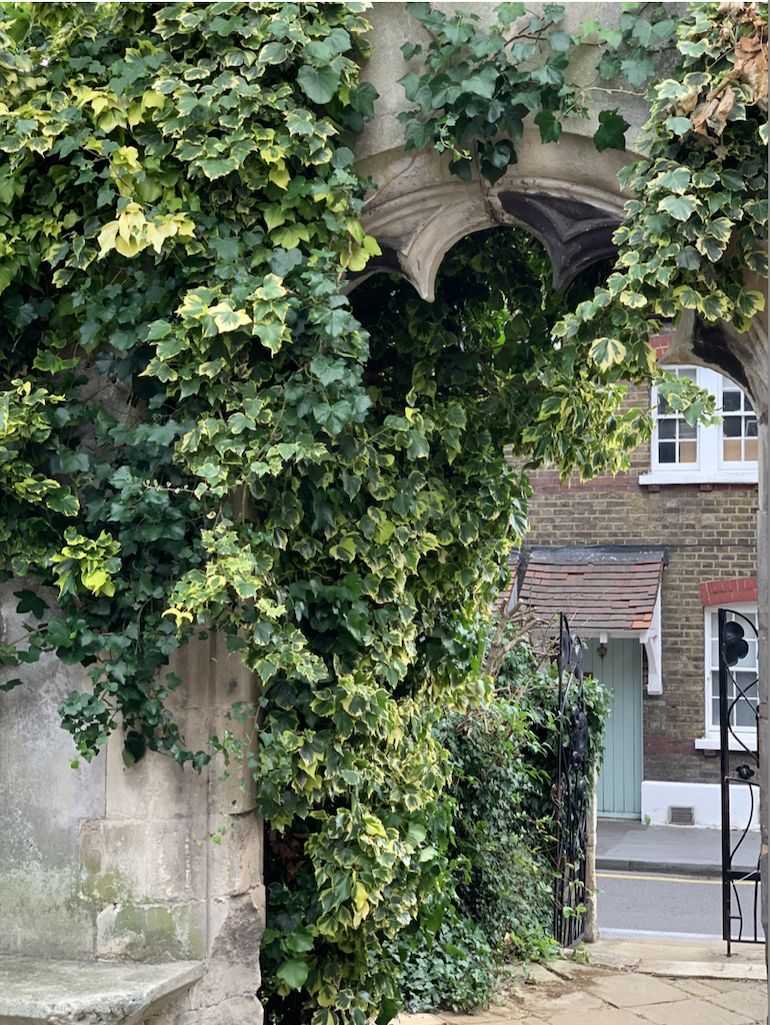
(608, 591)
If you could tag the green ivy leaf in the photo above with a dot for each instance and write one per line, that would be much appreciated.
(757, 209)
(680, 207)
(29, 601)
(607, 351)
(362, 98)
(714, 306)
(318, 84)
(750, 302)
(218, 167)
(688, 259)
(677, 181)
(462, 168)
(709, 247)
(679, 125)
(550, 128)
(293, 972)
(637, 71)
(560, 41)
(611, 131)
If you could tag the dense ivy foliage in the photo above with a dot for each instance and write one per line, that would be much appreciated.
(477, 84)
(697, 221)
(504, 761)
(198, 432)
(469, 394)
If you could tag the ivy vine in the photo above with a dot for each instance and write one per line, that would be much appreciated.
(198, 431)
(698, 217)
(476, 85)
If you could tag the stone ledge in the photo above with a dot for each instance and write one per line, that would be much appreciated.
(34, 991)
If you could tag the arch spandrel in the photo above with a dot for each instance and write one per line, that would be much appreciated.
(566, 194)
(420, 210)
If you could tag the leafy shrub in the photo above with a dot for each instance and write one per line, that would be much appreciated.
(504, 760)
(456, 969)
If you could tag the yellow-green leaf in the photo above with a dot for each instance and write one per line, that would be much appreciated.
(607, 352)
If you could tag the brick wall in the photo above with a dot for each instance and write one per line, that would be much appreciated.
(710, 534)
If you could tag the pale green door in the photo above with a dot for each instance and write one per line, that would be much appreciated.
(619, 791)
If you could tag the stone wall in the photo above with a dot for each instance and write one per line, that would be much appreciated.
(112, 862)
(710, 533)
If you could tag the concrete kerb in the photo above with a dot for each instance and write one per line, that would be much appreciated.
(681, 960)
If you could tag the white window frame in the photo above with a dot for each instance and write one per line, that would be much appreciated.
(711, 739)
(710, 467)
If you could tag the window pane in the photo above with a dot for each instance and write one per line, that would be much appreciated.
(667, 452)
(752, 451)
(732, 451)
(667, 429)
(685, 431)
(662, 406)
(691, 372)
(731, 401)
(688, 452)
(751, 427)
(732, 426)
(744, 714)
(747, 685)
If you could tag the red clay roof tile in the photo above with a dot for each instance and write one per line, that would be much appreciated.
(592, 590)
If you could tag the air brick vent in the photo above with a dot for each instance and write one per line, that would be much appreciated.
(681, 816)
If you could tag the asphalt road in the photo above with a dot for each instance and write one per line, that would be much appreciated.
(636, 905)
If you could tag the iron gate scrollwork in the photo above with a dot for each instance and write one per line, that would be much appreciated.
(738, 712)
(571, 793)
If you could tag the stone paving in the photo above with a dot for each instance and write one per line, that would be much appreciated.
(627, 983)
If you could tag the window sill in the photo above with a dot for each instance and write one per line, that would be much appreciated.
(694, 477)
(714, 744)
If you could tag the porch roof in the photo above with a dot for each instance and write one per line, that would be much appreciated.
(598, 589)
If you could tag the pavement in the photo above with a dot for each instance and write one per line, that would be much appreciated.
(627, 845)
(626, 982)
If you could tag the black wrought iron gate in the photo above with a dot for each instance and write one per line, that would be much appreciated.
(571, 793)
(741, 909)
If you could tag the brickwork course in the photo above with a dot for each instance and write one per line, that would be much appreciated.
(709, 531)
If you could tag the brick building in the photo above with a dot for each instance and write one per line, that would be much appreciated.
(640, 563)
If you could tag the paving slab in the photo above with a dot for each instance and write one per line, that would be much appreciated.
(697, 988)
(747, 1002)
(666, 958)
(626, 990)
(574, 970)
(607, 1016)
(538, 973)
(545, 1002)
(694, 1012)
(729, 985)
(492, 1016)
